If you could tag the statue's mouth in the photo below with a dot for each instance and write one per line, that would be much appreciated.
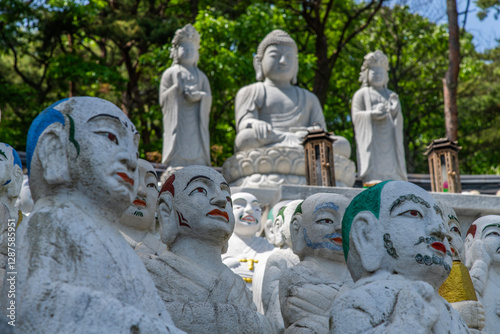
(335, 238)
(248, 219)
(219, 213)
(139, 202)
(126, 178)
(439, 246)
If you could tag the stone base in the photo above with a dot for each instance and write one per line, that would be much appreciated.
(279, 165)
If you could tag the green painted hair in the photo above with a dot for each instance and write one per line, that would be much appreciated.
(368, 200)
(298, 209)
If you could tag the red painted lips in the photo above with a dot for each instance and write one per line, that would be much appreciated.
(125, 178)
(219, 213)
(439, 246)
(337, 240)
(139, 202)
(248, 218)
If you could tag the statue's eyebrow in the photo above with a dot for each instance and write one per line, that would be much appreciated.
(196, 178)
(104, 115)
(490, 225)
(225, 186)
(410, 197)
(438, 210)
(3, 153)
(326, 205)
(152, 172)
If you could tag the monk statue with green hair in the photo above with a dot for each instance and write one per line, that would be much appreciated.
(395, 242)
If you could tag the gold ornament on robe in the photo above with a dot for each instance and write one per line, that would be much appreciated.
(250, 263)
(458, 286)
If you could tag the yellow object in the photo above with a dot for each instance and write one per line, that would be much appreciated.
(250, 263)
(247, 279)
(458, 286)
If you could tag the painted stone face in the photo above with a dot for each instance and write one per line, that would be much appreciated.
(187, 52)
(456, 242)
(247, 213)
(322, 222)
(6, 165)
(104, 142)
(202, 204)
(279, 62)
(487, 229)
(141, 213)
(415, 234)
(282, 224)
(377, 76)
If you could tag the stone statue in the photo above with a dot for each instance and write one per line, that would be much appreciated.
(272, 118)
(196, 221)
(378, 124)
(396, 246)
(25, 202)
(246, 251)
(307, 290)
(185, 99)
(278, 262)
(458, 288)
(11, 178)
(138, 223)
(75, 270)
(482, 249)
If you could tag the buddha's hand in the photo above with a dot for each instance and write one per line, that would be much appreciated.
(472, 312)
(193, 95)
(261, 129)
(479, 270)
(393, 102)
(379, 111)
(415, 309)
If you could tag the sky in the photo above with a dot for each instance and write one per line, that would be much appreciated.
(486, 32)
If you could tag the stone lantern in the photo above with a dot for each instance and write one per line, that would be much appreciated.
(318, 149)
(443, 165)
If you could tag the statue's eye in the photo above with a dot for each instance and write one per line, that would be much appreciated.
(324, 221)
(230, 201)
(198, 190)
(493, 233)
(411, 213)
(152, 185)
(455, 230)
(109, 135)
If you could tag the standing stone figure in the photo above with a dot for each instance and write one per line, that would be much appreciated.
(396, 246)
(307, 290)
(378, 124)
(76, 273)
(201, 293)
(246, 251)
(482, 249)
(185, 99)
(138, 223)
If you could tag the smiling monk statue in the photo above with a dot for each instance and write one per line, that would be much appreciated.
(307, 290)
(395, 242)
(196, 221)
(76, 273)
(138, 223)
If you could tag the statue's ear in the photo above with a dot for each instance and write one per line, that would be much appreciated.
(279, 240)
(51, 152)
(268, 227)
(366, 240)
(297, 234)
(166, 219)
(15, 186)
(294, 78)
(257, 65)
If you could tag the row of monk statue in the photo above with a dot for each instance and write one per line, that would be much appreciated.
(106, 249)
(274, 113)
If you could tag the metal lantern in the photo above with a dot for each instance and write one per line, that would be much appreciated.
(443, 165)
(318, 148)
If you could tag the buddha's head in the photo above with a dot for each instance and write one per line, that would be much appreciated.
(195, 203)
(11, 172)
(396, 227)
(482, 242)
(247, 214)
(141, 214)
(374, 70)
(316, 228)
(84, 147)
(277, 58)
(281, 224)
(456, 241)
(185, 46)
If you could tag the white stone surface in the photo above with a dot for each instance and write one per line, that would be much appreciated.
(482, 245)
(246, 251)
(281, 258)
(201, 293)
(25, 202)
(307, 290)
(378, 123)
(11, 179)
(76, 273)
(398, 254)
(185, 99)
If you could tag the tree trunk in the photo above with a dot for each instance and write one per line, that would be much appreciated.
(450, 81)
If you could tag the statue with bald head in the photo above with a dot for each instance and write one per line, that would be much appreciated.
(395, 242)
(482, 249)
(307, 290)
(196, 221)
(82, 160)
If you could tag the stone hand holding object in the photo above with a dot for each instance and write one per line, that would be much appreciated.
(262, 129)
(380, 111)
(479, 271)
(193, 95)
